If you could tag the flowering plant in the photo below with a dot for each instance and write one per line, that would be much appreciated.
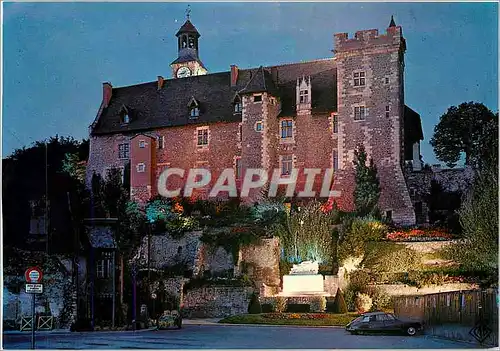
(418, 234)
(278, 315)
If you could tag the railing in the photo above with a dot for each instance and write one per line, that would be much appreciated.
(44, 323)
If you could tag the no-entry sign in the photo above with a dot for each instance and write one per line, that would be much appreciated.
(33, 275)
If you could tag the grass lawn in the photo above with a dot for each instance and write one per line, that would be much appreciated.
(306, 319)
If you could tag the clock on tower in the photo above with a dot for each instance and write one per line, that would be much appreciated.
(183, 72)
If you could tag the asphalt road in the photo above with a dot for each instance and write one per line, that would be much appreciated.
(227, 337)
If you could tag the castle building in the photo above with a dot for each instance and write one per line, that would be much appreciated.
(293, 116)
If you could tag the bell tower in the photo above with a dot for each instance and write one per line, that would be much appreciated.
(187, 63)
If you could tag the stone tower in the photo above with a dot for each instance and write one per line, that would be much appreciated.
(370, 96)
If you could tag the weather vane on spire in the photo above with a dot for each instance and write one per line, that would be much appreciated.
(188, 12)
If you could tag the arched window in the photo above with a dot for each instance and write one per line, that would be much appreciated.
(194, 108)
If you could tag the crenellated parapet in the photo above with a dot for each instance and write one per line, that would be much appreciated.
(370, 39)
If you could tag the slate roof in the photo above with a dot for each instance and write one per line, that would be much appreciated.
(187, 27)
(412, 131)
(150, 108)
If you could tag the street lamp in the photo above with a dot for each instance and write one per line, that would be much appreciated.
(134, 274)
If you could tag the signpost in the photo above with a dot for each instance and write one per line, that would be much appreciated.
(33, 277)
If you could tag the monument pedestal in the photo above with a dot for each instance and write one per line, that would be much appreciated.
(303, 284)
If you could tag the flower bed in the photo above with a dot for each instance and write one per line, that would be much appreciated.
(305, 319)
(419, 235)
(277, 315)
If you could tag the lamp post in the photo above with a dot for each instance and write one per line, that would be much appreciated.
(134, 274)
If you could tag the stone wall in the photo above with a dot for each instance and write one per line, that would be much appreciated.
(451, 180)
(165, 250)
(215, 260)
(216, 301)
(262, 262)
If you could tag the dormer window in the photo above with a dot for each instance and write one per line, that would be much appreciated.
(238, 106)
(303, 94)
(194, 108)
(124, 115)
(304, 97)
(195, 112)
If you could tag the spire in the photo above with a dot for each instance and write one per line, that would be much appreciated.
(188, 12)
(392, 24)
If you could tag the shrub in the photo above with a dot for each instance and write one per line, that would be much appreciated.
(298, 308)
(363, 303)
(359, 280)
(280, 304)
(391, 257)
(349, 297)
(322, 304)
(356, 233)
(267, 308)
(254, 306)
(380, 299)
(339, 305)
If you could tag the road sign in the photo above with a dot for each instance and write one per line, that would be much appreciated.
(33, 275)
(34, 288)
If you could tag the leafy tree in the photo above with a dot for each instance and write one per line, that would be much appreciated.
(478, 250)
(367, 191)
(24, 182)
(339, 305)
(470, 128)
(110, 198)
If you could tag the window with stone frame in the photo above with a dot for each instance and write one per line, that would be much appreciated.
(286, 165)
(359, 79)
(238, 169)
(335, 160)
(259, 126)
(286, 128)
(141, 168)
(160, 141)
(304, 97)
(335, 124)
(202, 137)
(124, 151)
(359, 113)
(387, 111)
(142, 144)
(257, 98)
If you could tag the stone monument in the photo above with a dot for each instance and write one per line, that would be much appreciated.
(303, 280)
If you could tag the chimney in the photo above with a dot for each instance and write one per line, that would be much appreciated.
(107, 91)
(234, 75)
(161, 80)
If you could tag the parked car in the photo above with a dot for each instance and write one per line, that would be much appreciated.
(170, 319)
(382, 322)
